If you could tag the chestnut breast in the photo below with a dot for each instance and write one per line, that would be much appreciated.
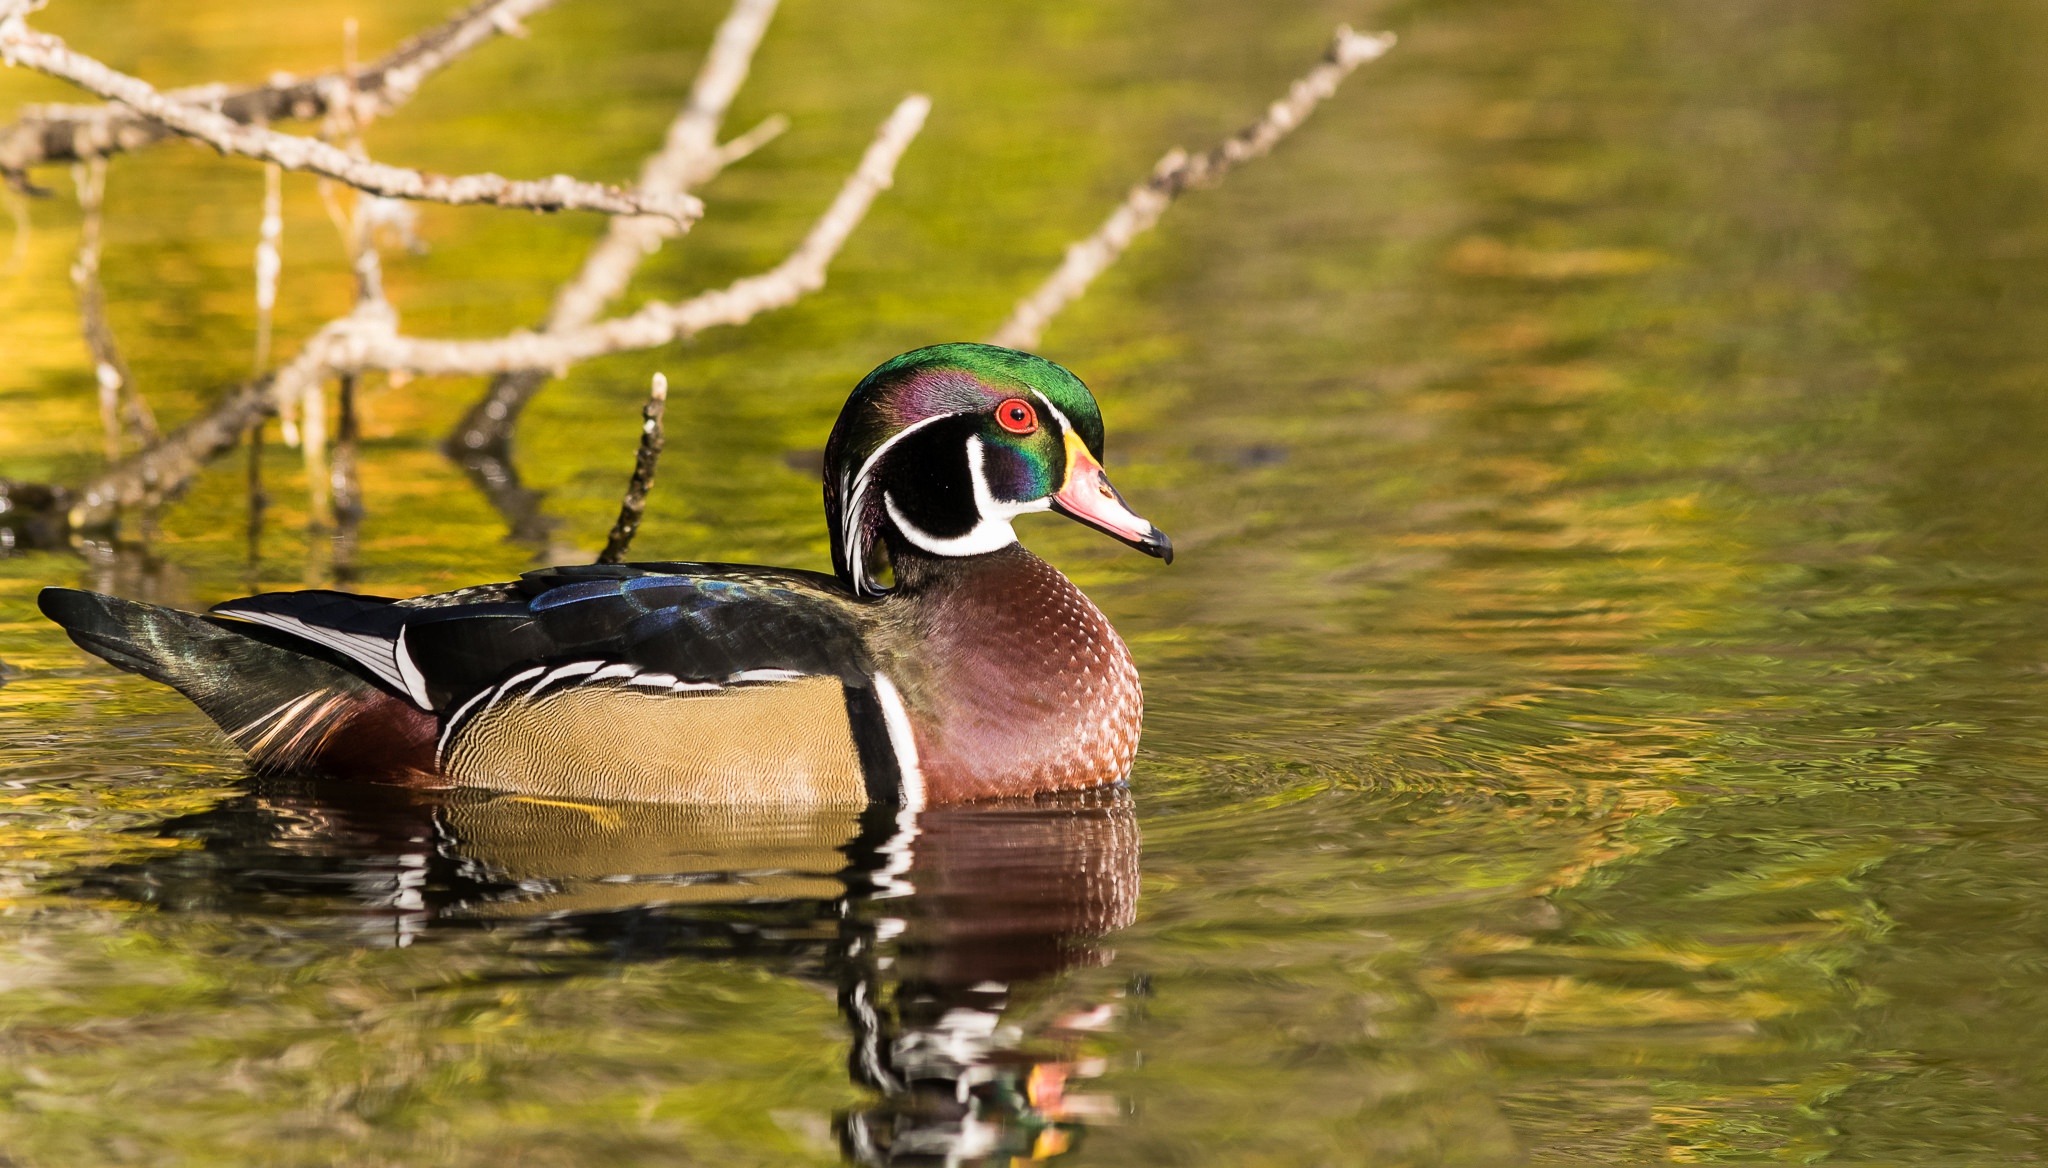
(1021, 684)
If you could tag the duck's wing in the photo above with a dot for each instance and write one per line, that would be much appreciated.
(711, 623)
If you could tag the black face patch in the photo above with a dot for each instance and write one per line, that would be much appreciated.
(926, 477)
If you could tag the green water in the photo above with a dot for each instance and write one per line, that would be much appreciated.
(1596, 713)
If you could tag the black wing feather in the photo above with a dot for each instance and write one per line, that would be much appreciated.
(701, 622)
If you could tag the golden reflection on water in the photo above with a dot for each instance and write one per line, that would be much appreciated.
(1594, 715)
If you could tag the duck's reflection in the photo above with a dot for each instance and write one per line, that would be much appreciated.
(927, 922)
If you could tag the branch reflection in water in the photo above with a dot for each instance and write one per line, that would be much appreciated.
(927, 923)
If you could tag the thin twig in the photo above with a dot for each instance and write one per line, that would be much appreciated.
(72, 133)
(766, 130)
(1179, 171)
(19, 45)
(258, 501)
(634, 505)
(108, 370)
(367, 339)
(122, 406)
(312, 406)
(689, 157)
(269, 259)
(348, 489)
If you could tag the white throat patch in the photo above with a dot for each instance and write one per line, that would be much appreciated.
(991, 530)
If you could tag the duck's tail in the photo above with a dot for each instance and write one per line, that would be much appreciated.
(290, 704)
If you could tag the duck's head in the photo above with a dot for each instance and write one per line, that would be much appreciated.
(939, 449)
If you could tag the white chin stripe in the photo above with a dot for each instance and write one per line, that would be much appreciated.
(991, 530)
(987, 536)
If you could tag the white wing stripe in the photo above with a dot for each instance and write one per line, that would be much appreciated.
(489, 697)
(515, 679)
(448, 729)
(409, 671)
(376, 654)
(574, 669)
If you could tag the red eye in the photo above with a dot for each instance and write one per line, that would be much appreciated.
(1017, 416)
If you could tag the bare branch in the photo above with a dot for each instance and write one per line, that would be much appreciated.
(367, 339)
(19, 45)
(689, 157)
(1178, 172)
(660, 323)
(634, 505)
(166, 468)
(71, 133)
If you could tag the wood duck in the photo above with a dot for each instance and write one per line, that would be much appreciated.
(978, 672)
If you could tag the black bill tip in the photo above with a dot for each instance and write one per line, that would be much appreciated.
(1155, 543)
